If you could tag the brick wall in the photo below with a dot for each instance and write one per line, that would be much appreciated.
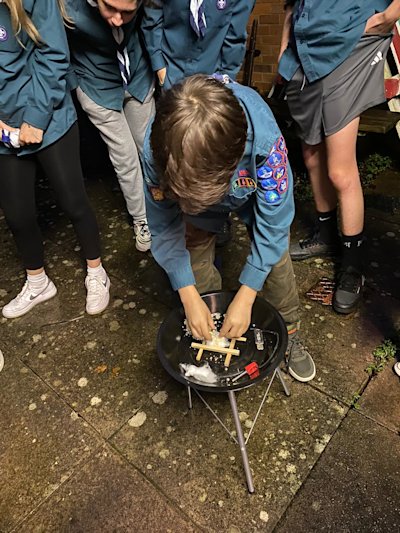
(270, 15)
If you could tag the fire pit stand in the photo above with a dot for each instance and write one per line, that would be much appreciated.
(253, 366)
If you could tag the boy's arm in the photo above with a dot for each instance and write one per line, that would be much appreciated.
(152, 29)
(273, 215)
(234, 46)
(50, 63)
(169, 249)
(383, 23)
(287, 24)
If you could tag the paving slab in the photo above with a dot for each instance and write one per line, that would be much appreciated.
(190, 456)
(42, 441)
(355, 486)
(106, 495)
(380, 401)
(104, 367)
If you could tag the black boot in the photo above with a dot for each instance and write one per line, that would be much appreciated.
(350, 279)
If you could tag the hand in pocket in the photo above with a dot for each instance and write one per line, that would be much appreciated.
(379, 24)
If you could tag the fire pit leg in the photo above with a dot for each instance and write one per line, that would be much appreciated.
(241, 441)
(282, 380)
(190, 404)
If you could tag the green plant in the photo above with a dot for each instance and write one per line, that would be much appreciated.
(370, 169)
(354, 401)
(382, 354)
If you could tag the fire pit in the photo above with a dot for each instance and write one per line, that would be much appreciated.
(254, 357)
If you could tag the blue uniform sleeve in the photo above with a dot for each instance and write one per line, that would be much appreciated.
(152, 28)
(234, 47)
(167, 227)
(49, 65)
(273, 215)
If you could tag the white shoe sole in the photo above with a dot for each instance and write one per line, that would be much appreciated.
(143, 246)
(50, 293)
(300, 378)
(99, 310)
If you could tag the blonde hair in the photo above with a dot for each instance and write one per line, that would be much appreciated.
(21, 21)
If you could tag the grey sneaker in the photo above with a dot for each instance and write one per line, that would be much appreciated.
(301, 364)
(312, 247)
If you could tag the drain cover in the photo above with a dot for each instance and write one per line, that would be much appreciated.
(322, 291)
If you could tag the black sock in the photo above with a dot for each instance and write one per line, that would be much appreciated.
(353, 250)
(327, 226)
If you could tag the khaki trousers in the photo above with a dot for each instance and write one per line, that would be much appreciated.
(280, 287)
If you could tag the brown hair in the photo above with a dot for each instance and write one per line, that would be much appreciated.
(21, 21)
(198, 139)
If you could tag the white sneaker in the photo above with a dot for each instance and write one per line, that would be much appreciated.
(142, 235)
(28, 298)
(98, 294)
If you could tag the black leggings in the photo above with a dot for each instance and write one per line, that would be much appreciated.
(61, 164)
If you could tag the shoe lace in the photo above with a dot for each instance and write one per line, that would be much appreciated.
(144, 229)
(296, 351)
(93, 286)
(24, 290)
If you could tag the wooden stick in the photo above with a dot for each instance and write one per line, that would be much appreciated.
(199, 354)
(214, 348)
(229, 355)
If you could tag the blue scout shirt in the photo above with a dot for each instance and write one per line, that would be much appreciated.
(172, 42)
(261, 193)
(324, 33)
(33, 79)
(94, 57)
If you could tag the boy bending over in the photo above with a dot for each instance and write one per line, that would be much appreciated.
(214, 147)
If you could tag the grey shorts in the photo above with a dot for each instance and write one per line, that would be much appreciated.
(326, 106)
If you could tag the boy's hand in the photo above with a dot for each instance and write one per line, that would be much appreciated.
(380, 24)
(238, 316)
(197, 313)
(30, 135)
(161, 76)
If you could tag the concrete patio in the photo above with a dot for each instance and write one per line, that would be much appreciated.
(95, 436)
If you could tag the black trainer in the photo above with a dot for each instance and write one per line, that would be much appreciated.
(348, 291)
(313, 247)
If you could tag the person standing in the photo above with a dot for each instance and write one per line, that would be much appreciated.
(332, 56)
(115, 85)
(38, 123)
(186, 37)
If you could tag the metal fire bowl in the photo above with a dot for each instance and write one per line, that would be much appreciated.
(173, 346)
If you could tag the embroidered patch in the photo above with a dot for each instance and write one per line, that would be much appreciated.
(269, 184)
(244, 173)
(3, 34)
(279, 173)
(265, 172)
(157, 194)
(272, 197)
(223, 78)
(283, 186)
(274, 173)
(244, 183)
(275, 159)
(221, 4)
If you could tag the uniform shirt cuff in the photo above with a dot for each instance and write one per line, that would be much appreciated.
(37, 118)
(158, 61)
(253, 277)
(181, 278)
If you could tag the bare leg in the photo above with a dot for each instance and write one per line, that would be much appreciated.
(345, 178)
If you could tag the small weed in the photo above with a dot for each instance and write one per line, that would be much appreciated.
(370, 169)
(382, 354)
(354, 401)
